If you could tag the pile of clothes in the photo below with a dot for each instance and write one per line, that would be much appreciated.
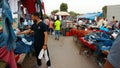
(79, 33)
(101, 40)
(24, 44)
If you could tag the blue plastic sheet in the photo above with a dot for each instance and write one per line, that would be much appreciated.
(91, 16)
(104, 29)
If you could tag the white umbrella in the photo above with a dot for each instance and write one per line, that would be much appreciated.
(62, 13)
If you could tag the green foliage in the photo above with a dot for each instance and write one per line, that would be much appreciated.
(54, 11)
(74, 14)
(0, 23)
(44, 16)
(64, 7)
(104, 9)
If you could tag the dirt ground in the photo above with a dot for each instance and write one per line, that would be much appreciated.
(64, 54)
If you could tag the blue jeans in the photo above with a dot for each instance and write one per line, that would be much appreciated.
(8, 33)
(57, 34)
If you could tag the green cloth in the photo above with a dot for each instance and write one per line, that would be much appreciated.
(57, 25)
(2, 64)
(0, 23)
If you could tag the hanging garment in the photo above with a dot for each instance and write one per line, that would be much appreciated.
(43, 7)
(8, 57)
(1, 40)
(8, 33)
(6, 51)
(42, 4)
(13, 5)
(30, 5)
(39, 7)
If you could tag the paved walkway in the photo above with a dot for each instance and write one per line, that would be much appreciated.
(64, 54)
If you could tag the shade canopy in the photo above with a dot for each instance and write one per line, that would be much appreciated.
(91, 16)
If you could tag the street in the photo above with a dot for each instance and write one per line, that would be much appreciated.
(64, 53)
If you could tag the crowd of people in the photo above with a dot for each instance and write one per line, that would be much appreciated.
(41, 29)
(100, 21)
(53, 26)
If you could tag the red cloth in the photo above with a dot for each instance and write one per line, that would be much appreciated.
(86, 43)
(8, 57)
(43, 7)
(30, 5)
(82, 33)
(79, 33)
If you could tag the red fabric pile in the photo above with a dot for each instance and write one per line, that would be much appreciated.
(8, 57)
(82, 33)
(86, 43)
(30, 5)
(79, 33)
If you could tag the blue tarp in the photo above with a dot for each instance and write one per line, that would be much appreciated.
(91, 16)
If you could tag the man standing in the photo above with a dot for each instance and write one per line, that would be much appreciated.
(57, 28)
(40, 37)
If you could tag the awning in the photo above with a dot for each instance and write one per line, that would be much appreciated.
(91, 16)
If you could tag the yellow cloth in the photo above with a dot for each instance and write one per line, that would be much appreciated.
(57, 25)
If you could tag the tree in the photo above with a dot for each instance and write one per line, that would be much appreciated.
(54, 11)
(74, 14)
(104, 9)
(64, 7)
(44, 16)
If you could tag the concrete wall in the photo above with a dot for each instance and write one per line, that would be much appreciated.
(113, 11)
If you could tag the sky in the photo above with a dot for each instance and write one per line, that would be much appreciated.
(79, 6)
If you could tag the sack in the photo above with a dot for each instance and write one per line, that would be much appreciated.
(3, 64)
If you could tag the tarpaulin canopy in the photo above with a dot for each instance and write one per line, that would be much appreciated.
(91, 16)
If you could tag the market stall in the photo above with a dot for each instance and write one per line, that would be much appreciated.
(14, 48)
(95, 42)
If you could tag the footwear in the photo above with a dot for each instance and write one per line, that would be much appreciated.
(55, 38)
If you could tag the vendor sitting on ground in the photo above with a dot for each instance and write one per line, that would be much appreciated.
(21, 24)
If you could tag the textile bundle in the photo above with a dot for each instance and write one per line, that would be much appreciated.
(8, 33)
(8, 57)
